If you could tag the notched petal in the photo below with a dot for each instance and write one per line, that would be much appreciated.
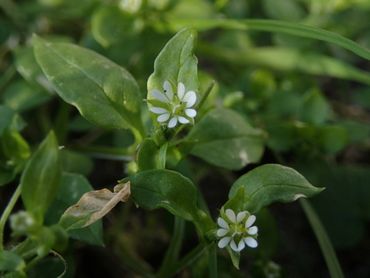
(180, 90)
(223, 242)
(172, 123)
(190, 98)
(159, 96)
(157, 110)
(250, 221)
(190, 112)
(253, 230)
(222, 223)
(164, 117)
(251, 242)
(231, 215)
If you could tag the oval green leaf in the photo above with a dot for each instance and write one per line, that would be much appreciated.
(267, 184)
(176, 63)
(223, 138)
(167, 189)
(103, 92)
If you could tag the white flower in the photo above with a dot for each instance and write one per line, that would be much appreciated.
(173, 108)
(236, 230)
(21, 222)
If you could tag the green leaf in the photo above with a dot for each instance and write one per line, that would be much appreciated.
(14, 153)
(21, 97)
(287, 59)
(275, 26)
(147, 155)
(41, 177)
(267, 184)
(10, 261)
(333, 138)
(168, 189)
(75, 162)
(176, 63)
(324, 241)
(93, 206)
(316, 109)
(72, 187)
(223, 138)
(288, 10)
(103, 92)
(27, 66)
(6, 117)
(110, 25)
(15, 148)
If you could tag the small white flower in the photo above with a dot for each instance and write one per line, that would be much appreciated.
(236, 230)
(173, 108)
(21, 222)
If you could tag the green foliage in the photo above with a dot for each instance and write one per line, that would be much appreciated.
(176, 63)
(225, 139)
(104, 93)
(168, 189)
(267, 184)
(41, 177)
(275, 86)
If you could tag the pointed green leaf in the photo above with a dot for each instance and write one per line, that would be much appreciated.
(176, 63)
(167, 189)
(103, 92)
(40, 179)
(267, 184)
(223, 138)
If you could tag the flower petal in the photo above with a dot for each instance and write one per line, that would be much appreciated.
(190, 113)
(234, 246)
(180, 90)
(172, 123)
(222, 232)
(250, 221)
(222, 223)
(241, 245)
(159, 96)
(190, 98)
(224, 242)
(183, 120)
(168, 90)
(253, 230)
(231, 215)
(158, 110)
(241, 215)
(251, 242)
(164, 117)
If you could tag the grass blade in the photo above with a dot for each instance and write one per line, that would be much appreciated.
(324, 241)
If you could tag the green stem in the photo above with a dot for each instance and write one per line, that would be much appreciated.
(61, 122)
(323, 239)
(212, 262)
(190, 258)
(6, 213)
(173, 250)
(103, 152)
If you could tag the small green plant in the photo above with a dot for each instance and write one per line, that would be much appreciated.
(166, 126)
